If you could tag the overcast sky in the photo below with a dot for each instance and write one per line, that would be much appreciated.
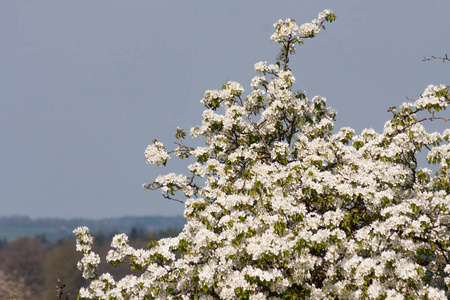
(85, 86)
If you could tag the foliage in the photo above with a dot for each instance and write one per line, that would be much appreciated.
(281, 206)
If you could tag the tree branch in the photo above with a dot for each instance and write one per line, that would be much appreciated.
(444, 58)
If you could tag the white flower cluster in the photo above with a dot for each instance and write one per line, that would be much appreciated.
(122, 249)
(171, 181)
(290, 209)
(230, 90)
(156, 154)
(431, 96)
(89, 263)
(284, 30)
(262, 67)
(287, 31)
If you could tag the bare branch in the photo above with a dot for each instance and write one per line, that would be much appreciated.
(444, 58)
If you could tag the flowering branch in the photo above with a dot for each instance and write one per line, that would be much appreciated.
(289, 207)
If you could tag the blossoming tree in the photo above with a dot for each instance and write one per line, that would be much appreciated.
(280, 205)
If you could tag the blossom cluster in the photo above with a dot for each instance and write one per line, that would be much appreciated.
(288, 32)
(156, 154)
(281, 205)
(89, 263)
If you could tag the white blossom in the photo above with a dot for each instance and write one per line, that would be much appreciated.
(279, 204)
(156, 154)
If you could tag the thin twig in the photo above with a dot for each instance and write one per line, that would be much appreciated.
(60, 291)
(444, 58)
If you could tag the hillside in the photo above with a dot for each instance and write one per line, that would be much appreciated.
(54, 228)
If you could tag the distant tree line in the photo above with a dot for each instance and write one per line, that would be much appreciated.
(54, 229)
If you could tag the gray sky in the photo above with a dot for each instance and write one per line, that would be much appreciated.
(85, 86)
